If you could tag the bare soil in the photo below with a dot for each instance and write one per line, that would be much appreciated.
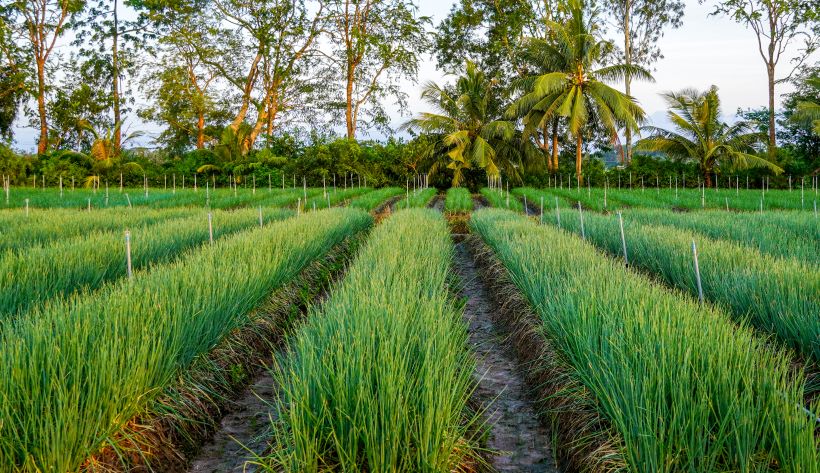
(242, 434)
(517, 439)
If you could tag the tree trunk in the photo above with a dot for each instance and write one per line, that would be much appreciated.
(200, 130)
(115, 83)
(627, 78)
(349, 120)
(578, 156)
(555, 145)
(42, 145)
(772, 132)
(544, 147)
(707, 177)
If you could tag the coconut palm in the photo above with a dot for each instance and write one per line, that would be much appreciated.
(574, 89)
(701, 137)
(810, 110)
(464, 119)
(105, 154)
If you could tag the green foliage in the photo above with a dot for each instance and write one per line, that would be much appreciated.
(372, 200)
(37, 274)
(702, 138)
(774, 294)
(683, 387)
(469, 132)
(569, 82)
(362, 384)
(459, 200)
(117, 350)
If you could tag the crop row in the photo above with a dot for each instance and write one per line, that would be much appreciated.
(40, 227)
(328, 198)
(222, 198)
(783, 236)
(677, 386)
(459, 200)
(416, 198)
(501, 199)
(777, 295)
(30, 277)
(373, 200)
(73, 375)
(379, 378)
(609, 199)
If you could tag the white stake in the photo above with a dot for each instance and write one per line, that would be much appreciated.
(541, 219)
(210, 228)
(697, 271)
(623, 238)
(581, 219)
(26, 207)
(129, 200)
(128, 254)
(260, 216)
(89, 204)
(557, 213)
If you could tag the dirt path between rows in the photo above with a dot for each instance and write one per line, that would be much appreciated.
(248, 424)
(524, 445)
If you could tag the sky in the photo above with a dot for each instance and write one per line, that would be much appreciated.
(706, 50)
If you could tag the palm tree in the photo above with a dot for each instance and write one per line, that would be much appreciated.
(470, 134)
(701, 137)
(810, 110)
(573, 89)
(106, 154)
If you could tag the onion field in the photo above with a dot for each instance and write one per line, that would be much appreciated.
(402, 329)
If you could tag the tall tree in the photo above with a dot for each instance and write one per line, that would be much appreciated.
(777, 24)
(102, 35)
(489, 33)
(641, 24)
(378, 43)
(701, 137)
(575, 91)
(14, 69)
(262, 49)
(39, 23)
(464, 120)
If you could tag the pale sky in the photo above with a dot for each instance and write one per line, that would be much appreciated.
(706, 50)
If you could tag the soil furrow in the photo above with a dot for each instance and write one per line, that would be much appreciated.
(516, 436)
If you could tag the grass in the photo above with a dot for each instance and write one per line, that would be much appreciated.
(458, 200)
(373, 200)
(683, 388)
(501, 199)
(75, 374)
(776, 295)
(329, 198)
(775, 235)
(417, 198)
(28, 278)
(379, 378)
(41, 227)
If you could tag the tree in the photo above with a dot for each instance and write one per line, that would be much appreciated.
(468, 132)
(777, 24)
(701, 137)
(104, 37)
(489, 33)
(265, 50)
(808, 109)
(575, 91)
(378, 43)
(642, 23)
(13, 73)
(182, 88)
(39, 23)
